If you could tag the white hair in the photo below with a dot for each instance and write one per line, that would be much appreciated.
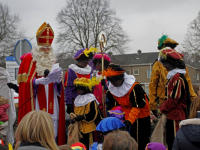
(43, 61)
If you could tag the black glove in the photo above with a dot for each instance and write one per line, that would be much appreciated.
(79, 118)
(103, 83)
(127, 124)
(69, 108)
(10, 85)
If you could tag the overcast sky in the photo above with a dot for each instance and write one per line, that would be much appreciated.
(144, 20)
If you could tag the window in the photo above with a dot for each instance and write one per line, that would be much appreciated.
(128, 71)
(135, 72)
(149, 73)
(197, 76)
(16, 73)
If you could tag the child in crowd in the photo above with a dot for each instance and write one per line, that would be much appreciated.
(177, 102)
(126, 92)
(81, 69)
(106, 126)
(35, 131)
(86, 109)
(119, 140)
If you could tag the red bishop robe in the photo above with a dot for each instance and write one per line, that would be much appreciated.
(27, 72)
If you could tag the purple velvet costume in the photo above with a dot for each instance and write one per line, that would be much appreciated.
(70, 92)
(70, 76)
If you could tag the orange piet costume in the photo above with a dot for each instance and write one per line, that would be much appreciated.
(29, 92)
(159, 80)
(133, 113)
(133, 100)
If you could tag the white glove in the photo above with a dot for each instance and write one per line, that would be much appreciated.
(43, 81)
(60, 77)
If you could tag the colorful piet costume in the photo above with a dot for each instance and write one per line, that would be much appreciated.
(86, 109)
(134, 102)
(159, 74)
(97, 90)
(177, 96)
(74, 72)
(37, 92)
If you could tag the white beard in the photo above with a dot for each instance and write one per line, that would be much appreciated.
(43, 61)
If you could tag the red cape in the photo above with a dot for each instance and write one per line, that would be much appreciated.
(27, 72)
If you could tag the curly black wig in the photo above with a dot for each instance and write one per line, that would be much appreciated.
(83, 88)
(116, 67)
(83, 57)
(106, 63)
(176, 63)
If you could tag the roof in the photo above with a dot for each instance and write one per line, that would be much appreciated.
(126, 60)
(133, 59)
(64, 63)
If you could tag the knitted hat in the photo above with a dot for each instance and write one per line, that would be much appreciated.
(78, 146)
(155, 146)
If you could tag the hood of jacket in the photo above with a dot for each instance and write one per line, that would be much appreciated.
(191, 129)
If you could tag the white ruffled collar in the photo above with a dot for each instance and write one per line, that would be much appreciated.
(175, 71)
(80, 70)
(98, 76)
(120, 91)
(82, 100)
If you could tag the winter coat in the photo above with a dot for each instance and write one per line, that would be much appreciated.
(3, 112)
(188, 136)
(31, 146)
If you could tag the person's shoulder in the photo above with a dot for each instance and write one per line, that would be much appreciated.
(27, 56)
(32, 148)
(137, 86)
(177, 76)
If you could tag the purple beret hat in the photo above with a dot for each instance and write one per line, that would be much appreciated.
(155, 146)
(79, 53)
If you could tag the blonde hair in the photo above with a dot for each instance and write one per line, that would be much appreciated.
(37, 126)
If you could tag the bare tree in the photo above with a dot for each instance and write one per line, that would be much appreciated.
(82, 21)
(191, 44)
(8, 33)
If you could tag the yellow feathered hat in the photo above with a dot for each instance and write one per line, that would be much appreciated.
(89, 83)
